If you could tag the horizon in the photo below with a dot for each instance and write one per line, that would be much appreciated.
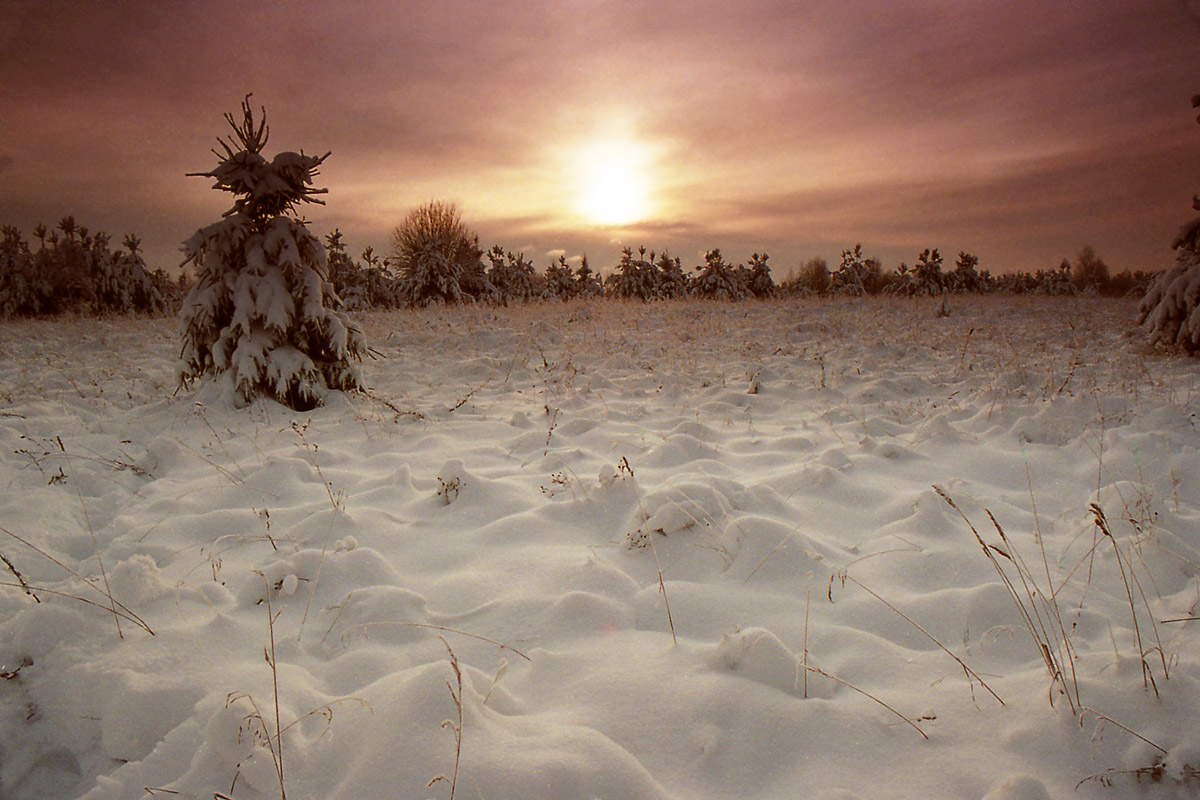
(1019, 134)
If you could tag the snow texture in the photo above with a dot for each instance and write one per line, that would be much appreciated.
(538, 486)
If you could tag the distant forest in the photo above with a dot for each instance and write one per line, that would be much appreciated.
(435, 258)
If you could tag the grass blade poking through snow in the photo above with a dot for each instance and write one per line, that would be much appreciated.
(456, 694)
(1056, 653)
(1147, 676)
(972, 676)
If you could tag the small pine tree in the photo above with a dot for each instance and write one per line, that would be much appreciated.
(633, 278)
(716, 280)
(258, 314)
(587, 283)
(511, 274)
(762, 285)
(672, 281)
(560, 281)
(1171, 307)
(853, 275)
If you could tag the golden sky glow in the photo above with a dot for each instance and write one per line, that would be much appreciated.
(1018, 130)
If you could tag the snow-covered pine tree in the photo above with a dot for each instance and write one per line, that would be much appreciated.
(672, 280)
(716, 279)
(1171, 308)
(560, 281)
(21, 290)
(761, 284)
(122, 284)
(511, 274)
(633, 277)
(257, 315)
(587, 283)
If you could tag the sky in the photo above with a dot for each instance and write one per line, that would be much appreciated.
(1019, 131)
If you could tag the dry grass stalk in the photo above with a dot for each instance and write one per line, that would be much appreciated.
(1147, 676)
(456, 694)
(971, 675)
(1125, 728)
(624, 466)
(443, 629)
(848, 685)
(807, 603)
(112, 605)
(1056, 653)
(20, 578)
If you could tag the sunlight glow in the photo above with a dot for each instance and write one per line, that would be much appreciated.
(613, 182)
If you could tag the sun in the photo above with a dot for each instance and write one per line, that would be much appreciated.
(613, 182)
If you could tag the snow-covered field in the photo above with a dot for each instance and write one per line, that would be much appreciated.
(683, 551)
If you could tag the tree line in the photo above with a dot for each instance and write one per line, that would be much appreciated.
(73, 270)
(435, 258)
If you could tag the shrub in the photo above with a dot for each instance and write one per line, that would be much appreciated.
(257, 314)
(857, 275)
(813, 277)
(1089, 272)
(588, 282)
(431, 249)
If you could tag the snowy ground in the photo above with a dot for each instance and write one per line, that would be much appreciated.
(514, 488)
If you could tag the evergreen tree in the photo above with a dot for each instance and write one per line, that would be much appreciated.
(511, 274)
(560, 281)
(716, 279)
(258, 314)
(633, 277)
(672, 281)
(1171, 307)
(587, 283)
(762, 285)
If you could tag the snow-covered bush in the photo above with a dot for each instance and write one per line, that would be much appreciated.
(23, 291)
(966, 276)
(925, 278)
(1171, 308)
(78, 273)
(670, 277)
(432, 249)
(258, 314)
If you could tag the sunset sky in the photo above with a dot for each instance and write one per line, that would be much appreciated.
(1018, 131)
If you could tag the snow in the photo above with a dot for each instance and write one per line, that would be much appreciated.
(522, 496)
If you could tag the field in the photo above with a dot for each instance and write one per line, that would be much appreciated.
(819, 549)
